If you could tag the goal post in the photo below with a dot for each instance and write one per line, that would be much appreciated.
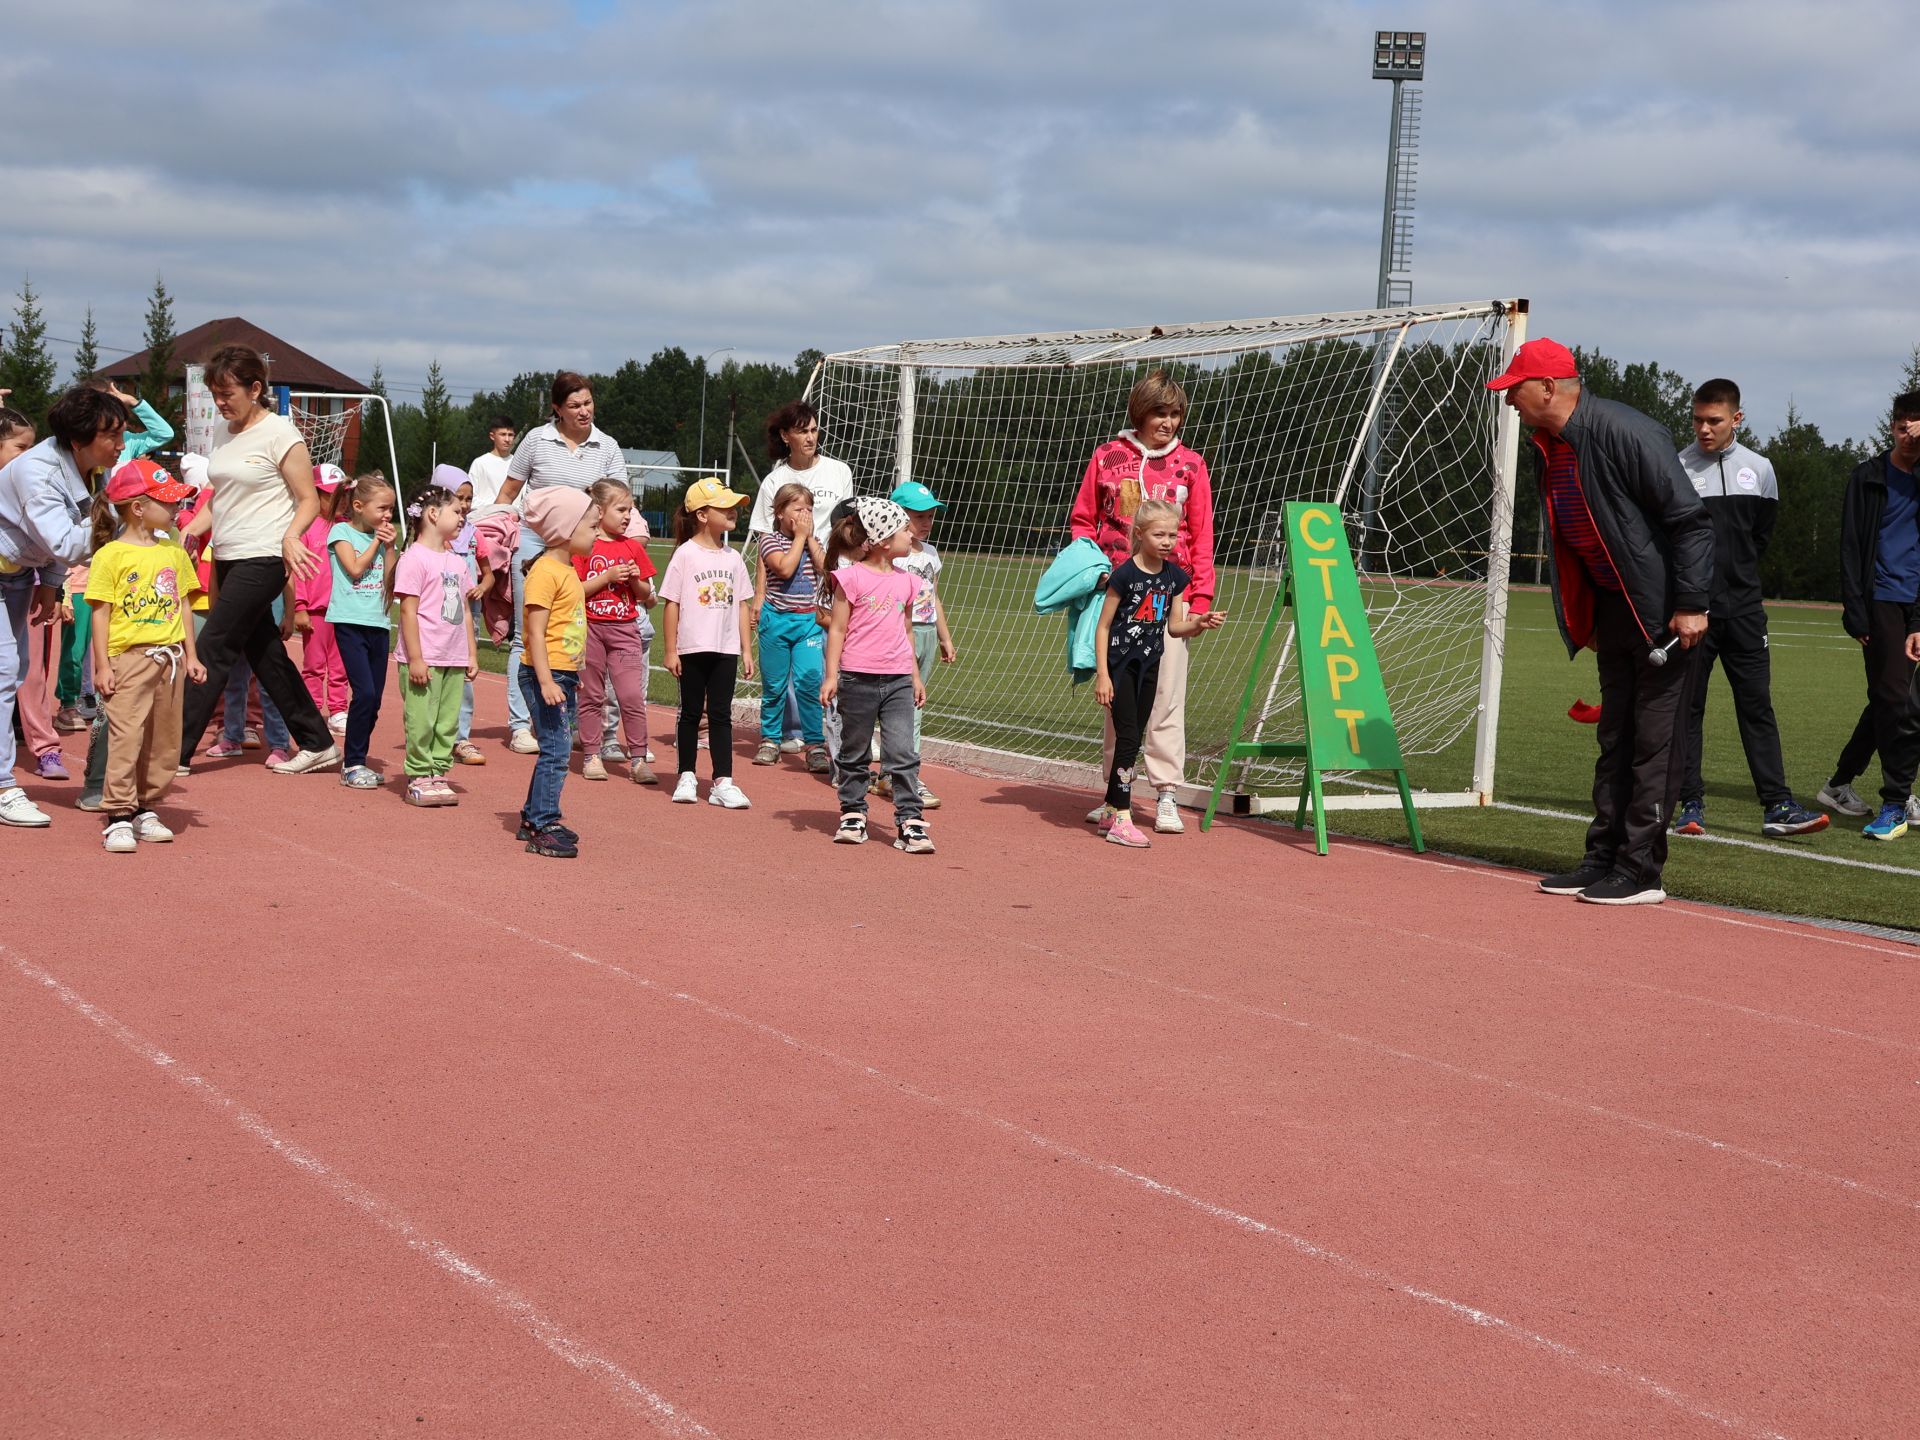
(1385, 411)
(328, 420)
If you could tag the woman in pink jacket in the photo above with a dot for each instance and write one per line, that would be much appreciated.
(1148, 462)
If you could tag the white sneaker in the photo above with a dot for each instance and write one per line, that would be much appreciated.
(147, 828)
(727, 794)
(17, 809)
(686, 789)
(306, 760)
(1913, 809)
(593, 768)
(1841, 799)
(523, 743)
(1166, 816)
(118, 839)
(792, 745)
(337, 722)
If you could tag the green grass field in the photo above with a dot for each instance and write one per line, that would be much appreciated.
(1010, 691)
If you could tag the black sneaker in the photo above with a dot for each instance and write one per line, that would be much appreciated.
(1573, 882)
(527, 832)
(1619, 889)
(556, 842)
(1790, 817)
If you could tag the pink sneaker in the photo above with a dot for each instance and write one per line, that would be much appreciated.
(277, 757)
(1124, 832)
(223, 750)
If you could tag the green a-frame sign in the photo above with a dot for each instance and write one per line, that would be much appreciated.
(1343, 700)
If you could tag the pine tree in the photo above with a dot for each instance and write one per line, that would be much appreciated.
(435, 406)
(1883, 437)
(156, 384)
(375, 453)
(86, 357)
(26, 365)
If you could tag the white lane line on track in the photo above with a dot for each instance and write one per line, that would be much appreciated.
(665, 1416)
(1354, 1269)
(1517, 1087)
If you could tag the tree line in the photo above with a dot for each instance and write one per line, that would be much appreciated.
(1001, 443)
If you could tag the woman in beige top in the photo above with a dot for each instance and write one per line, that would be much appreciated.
(263, 500)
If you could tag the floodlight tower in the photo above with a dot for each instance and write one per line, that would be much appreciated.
(1399, 56)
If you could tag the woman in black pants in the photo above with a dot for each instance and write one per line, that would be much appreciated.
(263, 501)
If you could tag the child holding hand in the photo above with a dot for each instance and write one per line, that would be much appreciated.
(617, 577)
(1145, 604)
(554, 623)
(140, 588)
(436, 645)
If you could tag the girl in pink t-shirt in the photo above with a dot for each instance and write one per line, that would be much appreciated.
(706, 590)
(871, 672)
(436, 644)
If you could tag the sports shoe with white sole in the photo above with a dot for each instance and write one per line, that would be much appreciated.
(792, 745)
(17, 809)
(913, 838)
(727, 795)
(1124, 832)
(593, 768)
(117, 838)
(767, 754)
(686, 790)
(148, 830)
(1790, 817)
(523, 743)
(853, 829)
(1889, 824)
(928, 800)
(1166, 815)
(1618, 889)
(304, 761)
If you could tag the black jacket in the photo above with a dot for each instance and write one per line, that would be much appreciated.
(1860, 512)
(1742, 497)
(1655, 528)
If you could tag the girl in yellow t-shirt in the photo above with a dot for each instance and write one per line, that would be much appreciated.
(141, 587)
(554, 623)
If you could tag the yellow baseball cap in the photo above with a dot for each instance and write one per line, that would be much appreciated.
(713, 492)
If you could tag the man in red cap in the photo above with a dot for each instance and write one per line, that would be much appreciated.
(1632, 563)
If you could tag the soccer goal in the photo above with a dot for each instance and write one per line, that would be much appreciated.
(1382, 412)
(329, 422)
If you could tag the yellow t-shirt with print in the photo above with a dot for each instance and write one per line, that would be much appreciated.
(148, 589)
(553, 586)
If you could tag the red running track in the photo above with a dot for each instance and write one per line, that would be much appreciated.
(337, 1117)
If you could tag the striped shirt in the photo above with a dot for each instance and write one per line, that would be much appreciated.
(544, 459)
(1572, 519)
(795, 593)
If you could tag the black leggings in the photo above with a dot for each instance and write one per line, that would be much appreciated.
(241, 623)
(706, 682)
(1133, 691)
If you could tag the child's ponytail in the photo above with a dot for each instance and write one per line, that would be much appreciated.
(848, 537)
(686, 524)
(434, 497)
(106, 519)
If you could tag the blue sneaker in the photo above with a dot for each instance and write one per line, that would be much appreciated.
(1691, 818)
(1889, 824)
(1790, 817)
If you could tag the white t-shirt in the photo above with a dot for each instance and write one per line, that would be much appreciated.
(924, 563)
(488, 473)
(829, 480)
(252, 507)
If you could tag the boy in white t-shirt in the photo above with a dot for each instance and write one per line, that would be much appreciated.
(488, 472)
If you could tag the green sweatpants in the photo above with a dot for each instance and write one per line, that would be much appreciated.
(74, 641)
(432, 715)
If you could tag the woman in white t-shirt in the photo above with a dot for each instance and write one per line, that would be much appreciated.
(263, 501)
(793, 444)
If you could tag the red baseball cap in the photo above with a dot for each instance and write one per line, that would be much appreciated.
(143, 477)
(1541, 359)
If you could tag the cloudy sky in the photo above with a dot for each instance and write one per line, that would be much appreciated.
(1725, 187)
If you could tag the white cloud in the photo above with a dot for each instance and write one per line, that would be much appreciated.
(1712, 185)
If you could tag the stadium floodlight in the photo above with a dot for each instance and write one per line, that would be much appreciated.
(1399, 54)
(702, 446)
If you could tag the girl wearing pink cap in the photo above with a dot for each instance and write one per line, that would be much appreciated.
(320, 663)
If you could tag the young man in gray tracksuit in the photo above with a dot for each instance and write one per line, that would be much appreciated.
(1742, 499)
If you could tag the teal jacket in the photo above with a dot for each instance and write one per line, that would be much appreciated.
(1073, 583)
(156, 436)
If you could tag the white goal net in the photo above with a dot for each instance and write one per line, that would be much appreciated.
(337, 426)
(1381, 412)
